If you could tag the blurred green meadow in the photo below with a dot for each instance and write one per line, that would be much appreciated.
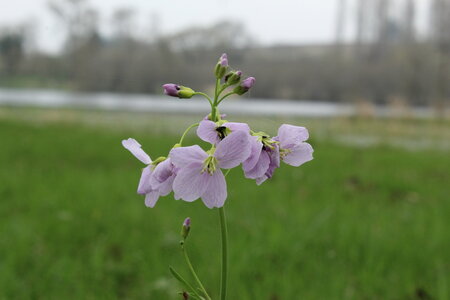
(364, 220)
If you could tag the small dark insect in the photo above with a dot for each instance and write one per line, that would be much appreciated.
(221, 130)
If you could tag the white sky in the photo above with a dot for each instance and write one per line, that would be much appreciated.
(270, 21)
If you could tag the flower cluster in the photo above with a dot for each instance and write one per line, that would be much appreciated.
(193, 173)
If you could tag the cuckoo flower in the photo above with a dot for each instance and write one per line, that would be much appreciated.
(266, 153)
(156, 179)
(263, 159)
(200, 174)
(214, 132)
(293, 149)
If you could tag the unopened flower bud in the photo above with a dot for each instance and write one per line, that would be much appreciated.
(175, 90)
(221, 66)
(186, 228)
(244, 86)
(233, 77)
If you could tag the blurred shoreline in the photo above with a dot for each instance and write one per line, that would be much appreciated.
(49, 98)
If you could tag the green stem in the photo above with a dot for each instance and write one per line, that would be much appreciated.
(186, 284)
(194, 274)
(223, 279)
(222, 89)
(216, 90)
(223, 224)
(186, 131)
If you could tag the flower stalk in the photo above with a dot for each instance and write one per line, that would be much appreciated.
(193, 173)
(222, 218)
(224, 273)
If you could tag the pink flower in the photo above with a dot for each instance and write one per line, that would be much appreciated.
(213, 133)
(156, 180)
(263, 160)
(200, 174)
(293, 149)
(265, 155)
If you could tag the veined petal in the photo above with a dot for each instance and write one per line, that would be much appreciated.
(183, 156)
(190, 183)
(233, 126)
(135, 148)
(207, 131)
(144, 186)
(233, 150)
(299, 154)
(216, 191)
(166, 187)
(255, 152)
(260, 168)
(161, 172)
(291, 135)
(151, 198)
(261, 179)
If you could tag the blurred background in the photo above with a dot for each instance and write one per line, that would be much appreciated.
(367, 219)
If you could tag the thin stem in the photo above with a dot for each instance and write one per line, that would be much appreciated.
(222, 89)
(216, 91)
(186, 131)
(214, 106)
(206, 96)
(223, 227)
(223, 224)
(226, 95)
(191, 268)
(184, 282)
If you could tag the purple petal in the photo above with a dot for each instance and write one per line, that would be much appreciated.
(183, 156)
(216, 192)
(171, 89)
(274, 155)
(299, 155)
(289, 135)
(207, 131)
(261, 179)
(260, 167)
(255, 152)
(166, 187)
(144, 186)
(233, 149)
(190, 183)
(233, 126)
(161, 172)
(248, 83)
(151, 198)
(223, 60)
(135, 148)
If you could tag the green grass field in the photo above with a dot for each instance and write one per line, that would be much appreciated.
(355, 223)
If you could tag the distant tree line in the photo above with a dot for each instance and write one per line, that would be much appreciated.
(387, 60)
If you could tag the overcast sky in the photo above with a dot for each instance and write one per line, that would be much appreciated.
(270, 21)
